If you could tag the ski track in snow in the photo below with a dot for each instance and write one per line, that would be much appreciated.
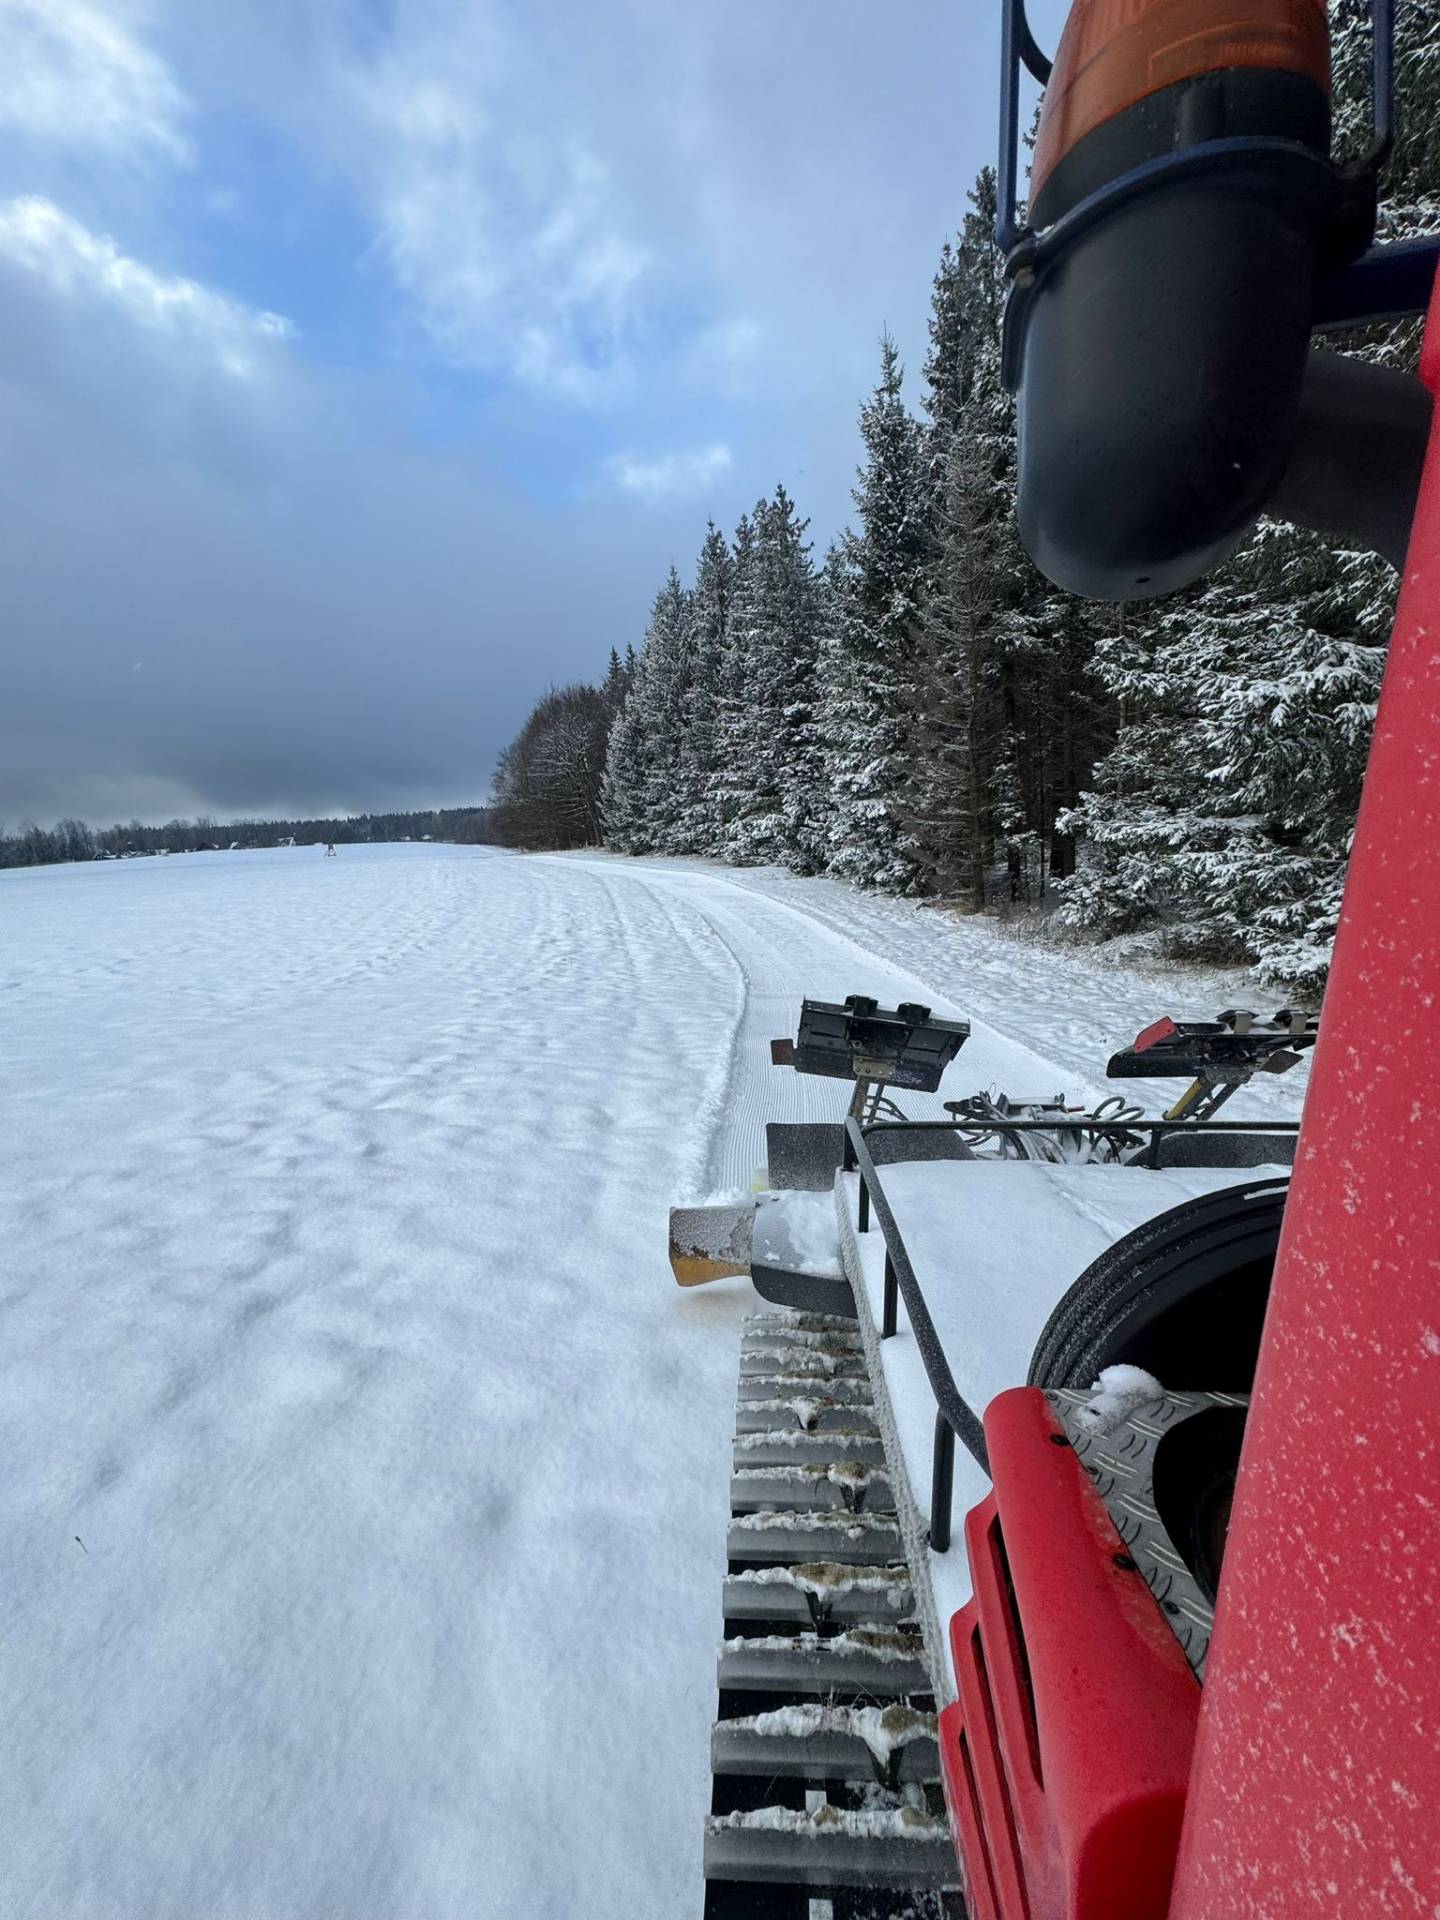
(367, 1474)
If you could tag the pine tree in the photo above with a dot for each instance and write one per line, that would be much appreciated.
(698, 822)
(641, 800)
(950, 689)
(1002, 716)
(1222, 817)
(776, 632)
(966, 303)
(616, 684)
(876, 628)
(622, 793)
(729, 775)
(1287, 672)
(1145, 801)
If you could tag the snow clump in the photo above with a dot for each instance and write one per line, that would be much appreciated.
(1119, 1391)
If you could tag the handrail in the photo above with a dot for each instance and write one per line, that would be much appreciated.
(954, 1416)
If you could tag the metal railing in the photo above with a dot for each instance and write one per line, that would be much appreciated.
(955, 1418)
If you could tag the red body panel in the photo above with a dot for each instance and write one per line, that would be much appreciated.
(1317, 1774)
(1065, 1766)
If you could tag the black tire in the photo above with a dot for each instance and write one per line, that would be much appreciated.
(1183, 1296)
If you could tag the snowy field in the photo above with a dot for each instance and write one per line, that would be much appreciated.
(366, 1475)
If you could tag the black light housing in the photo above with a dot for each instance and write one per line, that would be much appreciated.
(1162, 300)
(1188, 231)
(860, 1040)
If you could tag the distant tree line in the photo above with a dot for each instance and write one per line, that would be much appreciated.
(548, 781)
(919, 711)
(34, 846)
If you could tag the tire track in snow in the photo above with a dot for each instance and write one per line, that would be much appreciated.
(718, 1099)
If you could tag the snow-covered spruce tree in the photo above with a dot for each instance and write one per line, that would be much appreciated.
(950, 688)
(641, 791)
(1287, 670)
(774, 773)
(729, 773)
(616, 685)
(698, 823)
(879, 583)
(800, 610)
(1223, 815)
(1002, 713)
(622, 790)
(1220, 820)
(1146, 800)
(622, 784)
(669, 660)
(834, 697)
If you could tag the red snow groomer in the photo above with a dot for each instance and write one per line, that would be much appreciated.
(1180, 1666)
(1190, 244)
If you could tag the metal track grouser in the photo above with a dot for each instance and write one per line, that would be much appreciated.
(826, 1796)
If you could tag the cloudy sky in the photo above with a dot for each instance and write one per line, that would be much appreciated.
(365, 363)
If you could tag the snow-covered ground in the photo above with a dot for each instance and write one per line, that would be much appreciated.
(365, 1473)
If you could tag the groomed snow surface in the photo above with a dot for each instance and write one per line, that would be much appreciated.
(366, 1475)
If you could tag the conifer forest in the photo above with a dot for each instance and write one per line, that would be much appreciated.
(917, 710)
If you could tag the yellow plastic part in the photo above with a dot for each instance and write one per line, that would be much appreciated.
(710, 1243)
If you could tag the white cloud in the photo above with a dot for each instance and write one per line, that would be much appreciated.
(507, 234)
(670, 476)
(74, 71)
(39, 236)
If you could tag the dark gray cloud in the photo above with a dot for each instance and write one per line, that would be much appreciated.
(616, 267)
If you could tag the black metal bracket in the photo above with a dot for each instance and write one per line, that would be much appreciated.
(1017, 48)
(907, 1046)
(1032, 251)
(1387, 283)
(1231, 1049)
